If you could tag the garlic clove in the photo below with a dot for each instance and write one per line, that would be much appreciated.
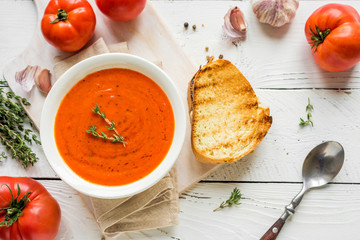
(43, 81)
(26, 77)
(237, 19)
(275, 12)
(234, 23)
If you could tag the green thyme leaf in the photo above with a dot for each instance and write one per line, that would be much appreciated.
(96, 109)
(233, 200)
(102, 115)
(104, 135)
(13, 135)
(112, 126)
(308, 109)
(115, 138)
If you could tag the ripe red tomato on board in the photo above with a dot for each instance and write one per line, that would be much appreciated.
(27, 210)
(333, 31)
(68, 24)
(121, 10)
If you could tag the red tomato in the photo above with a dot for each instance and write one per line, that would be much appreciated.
(333, 31)
(68, 24)
(121, 10)
(35, 213)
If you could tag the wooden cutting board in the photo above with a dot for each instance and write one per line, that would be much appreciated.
(148, 37)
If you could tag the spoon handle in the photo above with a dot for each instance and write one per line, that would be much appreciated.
(274, 230)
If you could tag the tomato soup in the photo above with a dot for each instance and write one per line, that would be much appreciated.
(142, 115)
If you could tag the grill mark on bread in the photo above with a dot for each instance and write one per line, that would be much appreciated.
(206, 69)
(205, 86)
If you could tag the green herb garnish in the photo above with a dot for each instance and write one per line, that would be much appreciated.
(308, 109)
(13, 134)
(233, 200)
(114, 138)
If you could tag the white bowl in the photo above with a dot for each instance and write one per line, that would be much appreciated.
(67, 81)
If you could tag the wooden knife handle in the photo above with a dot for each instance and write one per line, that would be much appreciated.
(274, 230)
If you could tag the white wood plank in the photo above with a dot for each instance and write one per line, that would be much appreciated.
(76, 222)
(17, 24)
(269, 57)
(280, 155)
(331, 213)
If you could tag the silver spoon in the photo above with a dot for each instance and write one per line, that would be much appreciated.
(321, 165)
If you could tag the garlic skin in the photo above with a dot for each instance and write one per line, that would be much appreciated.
(43, 81)
(275, 12)
(26, 77)
(234, 23)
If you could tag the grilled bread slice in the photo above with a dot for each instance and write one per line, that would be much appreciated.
(227, 119)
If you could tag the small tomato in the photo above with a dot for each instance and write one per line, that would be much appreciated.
(333, 31)
(121, 10)
(68, 24)
(27, 210)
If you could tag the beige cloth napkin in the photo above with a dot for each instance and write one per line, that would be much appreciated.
(156, 207)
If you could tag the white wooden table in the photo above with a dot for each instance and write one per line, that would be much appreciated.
(279, 65)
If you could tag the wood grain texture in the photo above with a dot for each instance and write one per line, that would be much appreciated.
(268, 57)
(330, 213)
(16, 32)
(76, 222)
(280, 156)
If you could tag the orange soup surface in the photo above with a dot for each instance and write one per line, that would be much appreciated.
(142, 114)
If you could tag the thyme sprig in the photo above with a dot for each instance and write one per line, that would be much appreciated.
(308, 109)
(116, 137)
(13, 134)
(233, 200)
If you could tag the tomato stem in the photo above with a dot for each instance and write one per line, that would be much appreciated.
(62, 15)
(318, 36)
(14, 210)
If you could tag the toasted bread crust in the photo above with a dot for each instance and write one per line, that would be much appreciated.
(227, 119)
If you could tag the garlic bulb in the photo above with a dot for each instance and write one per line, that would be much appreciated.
(234, 23)
(275, 12)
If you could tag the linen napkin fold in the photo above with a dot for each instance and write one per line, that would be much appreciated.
(156, 207)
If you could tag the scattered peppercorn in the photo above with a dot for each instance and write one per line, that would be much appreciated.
(206, 48)
(194, 27)
(186, 24)
(221, 56)
(207, 58)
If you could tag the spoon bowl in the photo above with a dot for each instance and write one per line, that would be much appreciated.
(320, 166)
